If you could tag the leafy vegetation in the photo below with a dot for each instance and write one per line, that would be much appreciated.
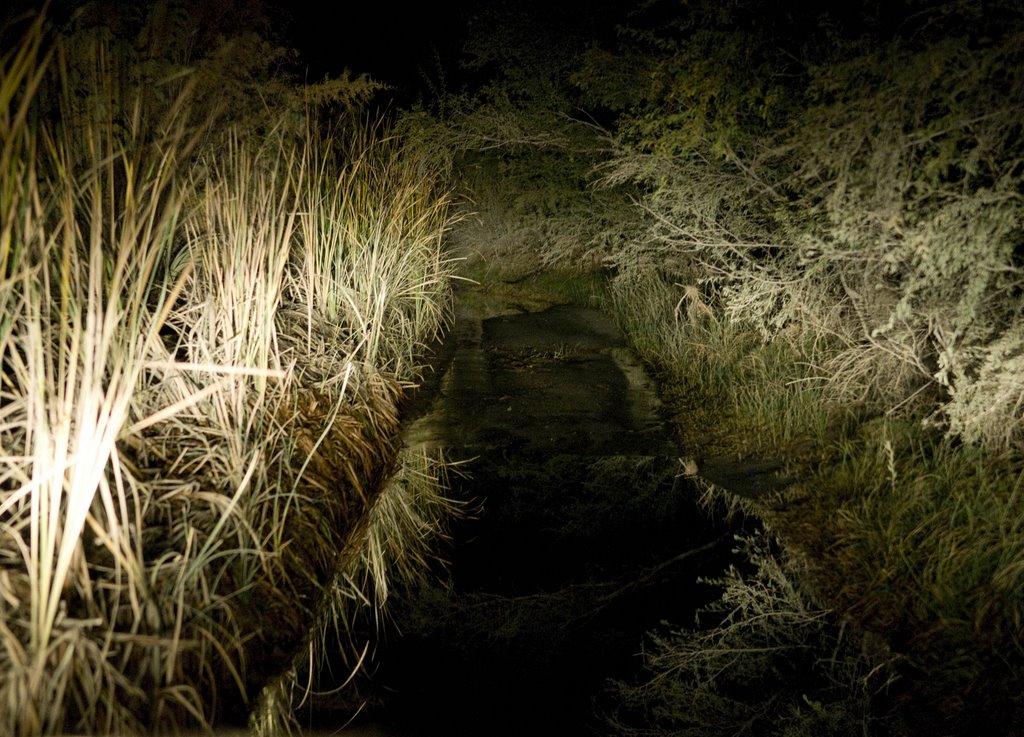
(215, 283)
(809, 220)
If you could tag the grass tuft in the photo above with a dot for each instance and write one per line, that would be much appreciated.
(202, 354)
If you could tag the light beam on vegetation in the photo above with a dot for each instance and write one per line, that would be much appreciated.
(183, 308)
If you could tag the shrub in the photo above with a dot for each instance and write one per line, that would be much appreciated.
(763, 659)
(881, 214)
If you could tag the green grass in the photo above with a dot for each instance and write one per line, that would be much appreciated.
(919, 539)
(732, 392)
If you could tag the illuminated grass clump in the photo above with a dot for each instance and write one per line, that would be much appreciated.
(204, 337)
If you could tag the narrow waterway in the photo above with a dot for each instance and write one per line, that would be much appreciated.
(583, 534)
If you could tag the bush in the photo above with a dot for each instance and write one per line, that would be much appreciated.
(763, 659)
(882, 214)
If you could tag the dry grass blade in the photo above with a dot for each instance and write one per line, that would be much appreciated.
(371, 270)
(86, 302)
(162, 464)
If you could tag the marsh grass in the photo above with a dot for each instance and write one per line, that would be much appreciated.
(370, 271)
(181, 457)
(926, 549)
(91, 216)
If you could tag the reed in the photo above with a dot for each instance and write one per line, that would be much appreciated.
(90, 218)
(370, 271)
(203, 350)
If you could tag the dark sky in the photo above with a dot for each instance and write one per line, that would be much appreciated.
(389, 41)
(391, 44)
(401, 45)
(398, 46)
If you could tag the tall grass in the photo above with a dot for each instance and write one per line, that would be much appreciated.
(90, 218)
(370, 271)
(926, 547)
(181, 456)
(757, 395)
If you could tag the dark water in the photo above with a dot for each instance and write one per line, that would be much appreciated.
(551, 592)
(585, 536)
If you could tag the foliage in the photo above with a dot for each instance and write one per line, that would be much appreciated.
(524, 175)
(520, 144)
(880, 213)
(812, 218)
(525, 51)
(710, 76)
(763, 659)
(918, 203)
(876, 230)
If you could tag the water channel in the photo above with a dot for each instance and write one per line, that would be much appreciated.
(583, 534)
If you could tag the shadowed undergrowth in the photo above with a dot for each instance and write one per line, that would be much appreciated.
(811, 234)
